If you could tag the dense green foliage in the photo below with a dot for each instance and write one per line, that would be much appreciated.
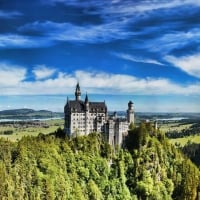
(192, 150)
(54, 167)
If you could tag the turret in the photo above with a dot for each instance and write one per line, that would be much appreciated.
(67, 100)
(155, 125)
(78, 92)
(130, 112)
(86, 103)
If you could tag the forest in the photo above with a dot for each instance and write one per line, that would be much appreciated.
(53, 166)
(192, 150)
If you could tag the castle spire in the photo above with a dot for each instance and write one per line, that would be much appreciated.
(86, 98)
(77, 92)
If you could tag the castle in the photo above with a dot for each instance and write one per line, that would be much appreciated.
(84, 117)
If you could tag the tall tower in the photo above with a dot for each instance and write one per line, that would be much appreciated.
(86, 115)
(78, 92)
(130, 112)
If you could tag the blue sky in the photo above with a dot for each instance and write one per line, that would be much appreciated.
(144, 50)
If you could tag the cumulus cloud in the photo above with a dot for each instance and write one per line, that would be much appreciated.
(62, 84)
(137, 59)
(11, 75)
(126, 84)
(43, 72)
(189, 64)
(92, 82)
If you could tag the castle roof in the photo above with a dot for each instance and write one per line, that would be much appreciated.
(79, 106)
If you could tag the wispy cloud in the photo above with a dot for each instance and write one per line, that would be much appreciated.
(122, 19)
(148, 5)
(175, 40)
(125, 7)
(137, 59)
(43, 72)
(118, 23)
(21, 41)
(189, 64)
(9, 14)
(70, 32)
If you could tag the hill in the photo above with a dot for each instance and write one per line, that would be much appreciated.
(28, 114)
(86, 167)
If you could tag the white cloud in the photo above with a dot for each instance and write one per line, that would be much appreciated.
(13, 40)
(43, 72)
(95, 82)
(9, 15)
(62, 84)
(11, 75)
(189, 64)
(126, 84)
(136, 59)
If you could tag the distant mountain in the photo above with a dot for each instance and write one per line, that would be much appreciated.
(28, 113)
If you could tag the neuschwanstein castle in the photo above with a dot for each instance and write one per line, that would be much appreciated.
(84, 117)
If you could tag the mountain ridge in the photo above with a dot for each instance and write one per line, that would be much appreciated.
(28, 113)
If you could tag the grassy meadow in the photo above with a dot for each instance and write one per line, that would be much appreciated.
(184, 140)
(179, 127)
(49, 126)
(19, 130)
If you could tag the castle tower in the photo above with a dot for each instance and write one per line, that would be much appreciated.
(130, 112)
(67, 118)
(78, 92)
(155, 125)
(86, 115)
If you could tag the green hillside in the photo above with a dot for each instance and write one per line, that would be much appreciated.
(86, 167)
(28, 113)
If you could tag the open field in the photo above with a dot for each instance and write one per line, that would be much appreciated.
(179, 127)
(174, 126)
(184, 140)
(18, 130)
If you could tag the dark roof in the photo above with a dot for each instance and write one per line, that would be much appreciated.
(97, 106)
(76, 106)
(121, 119)
(79, 106)
(130, 102)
